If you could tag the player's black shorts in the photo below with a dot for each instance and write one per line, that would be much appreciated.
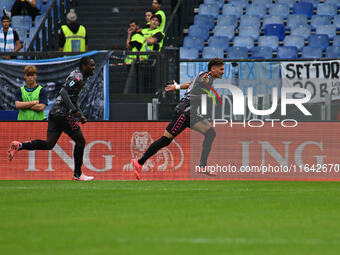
(59, 124)
(181, 121)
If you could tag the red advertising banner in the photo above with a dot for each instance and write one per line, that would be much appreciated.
(309, 151)
(110, 147)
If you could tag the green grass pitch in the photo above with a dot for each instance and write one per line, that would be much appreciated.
(169, 217)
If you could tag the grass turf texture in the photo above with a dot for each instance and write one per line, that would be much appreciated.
(169, 217)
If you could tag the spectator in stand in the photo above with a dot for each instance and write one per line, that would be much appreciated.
(134, 40)
(9, 39)
(148, 15)
(157, 6)
(73, 36)
(23, 7)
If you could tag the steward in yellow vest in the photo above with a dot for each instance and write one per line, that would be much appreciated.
(157, 6)
(134, 41)
(153, 36)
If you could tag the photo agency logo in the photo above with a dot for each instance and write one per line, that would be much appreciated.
(289, 96)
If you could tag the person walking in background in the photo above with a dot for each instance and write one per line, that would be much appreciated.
(157, 8)
(73, 36)
(9, 39)
(62, 118)
(31, 99)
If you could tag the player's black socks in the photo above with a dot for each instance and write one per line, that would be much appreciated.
(206, 147)
(34, 145)
(78, 159)
(153, 148)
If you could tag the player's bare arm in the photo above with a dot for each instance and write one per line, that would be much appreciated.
(172, 87)
(25, 105)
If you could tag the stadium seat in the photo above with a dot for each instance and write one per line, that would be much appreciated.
(227, 20)
(265, 3)
(199, 31)
(272, 20)
(311, 52)
(320, 20)
(40, 4)
(243, 41)
(275, 29)
(336, 21)
(295, 20)
(336, 40)
(242, 3)
(268, 41)
(294, 40)
(252, 31)
(333, 52)
(228, 31)
(314, 2)
(326, 9)
(193, 42)
(22, 33)
(329, 30)
(188, 53)
(279, 10)
(212, 52)
(250, 20)
(6, 4)
(229, 9)
(219, 3)
(287, 52)
(289, 2)
(237, 53)
(318, 41)
(219, 42)
(21, 21)
(204, 20)
(262, 52)
(302, 30)
(303, 8)
(334, 2)
(255, 9)
(209, 9)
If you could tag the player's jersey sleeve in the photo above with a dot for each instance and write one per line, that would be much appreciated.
(43, 96)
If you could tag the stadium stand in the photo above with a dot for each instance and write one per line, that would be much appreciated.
(294, 40)
(333, 52)
(271, 41)
(261, 53)
(244, 41)
(212, 52)
(287, 52)
(311, 52)
(237, 53)
(219, 42)
(188, 53)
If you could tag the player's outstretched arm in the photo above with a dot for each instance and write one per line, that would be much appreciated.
(175, 86)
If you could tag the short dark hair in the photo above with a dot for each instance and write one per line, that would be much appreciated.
(5, 17)
(215, 62)
(84, 61)
(159, 1)
(157, 17)
(133, 21)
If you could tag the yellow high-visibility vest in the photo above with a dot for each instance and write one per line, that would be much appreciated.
(74, 42)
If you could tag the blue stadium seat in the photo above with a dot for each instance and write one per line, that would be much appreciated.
(242, 3)
(255, 9)
(333, 52)
(209, 9)
(294, 40)
(279, 10)
(227, 20)
(336, 40)
(193, 42)
(219, 42)
(336, 21)
(311, 52)
(199, 31)
(329, 30)
(6, 4)
(188, 53)
(272, 20)
(275, 29)
(303, 8)
(302, 30)
(262, 52)
(320, 20)
(252, 31)
(243, 41)
(204, 20)
(229, 9)
(295, 20)
(289, 2)
(334, 2)
(219, 3)
(314, 2)
(287, 52)
(268, 41)
(237, 53)
(228, 31)
(40, 4)
(212, 52)
(22, 33)
(21, 22)
(250, 20)
(326, 9)
(318, 41)
(265, 3)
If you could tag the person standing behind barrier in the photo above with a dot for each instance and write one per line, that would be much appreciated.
(73, 36)
(134, 40)
(31, 99)
(9, 39)
(147, 16)
(153, 36)
(156, 6)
